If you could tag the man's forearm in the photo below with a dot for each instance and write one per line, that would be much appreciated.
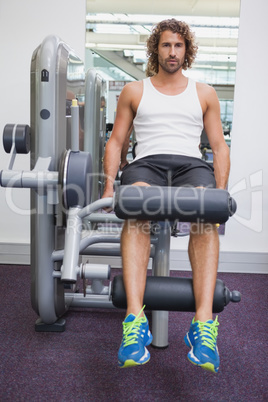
(124, 153)
(125, 149)
(111, 164)
(221, 163)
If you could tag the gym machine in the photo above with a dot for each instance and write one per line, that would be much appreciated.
(65, 179)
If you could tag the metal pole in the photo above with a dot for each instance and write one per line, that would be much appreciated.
(161, 268)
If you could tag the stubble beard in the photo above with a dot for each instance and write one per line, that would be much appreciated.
(171, 69)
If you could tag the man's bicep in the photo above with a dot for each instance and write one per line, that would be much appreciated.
(123, 118)
(212, 121)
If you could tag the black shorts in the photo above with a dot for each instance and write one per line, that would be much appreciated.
(169, 170)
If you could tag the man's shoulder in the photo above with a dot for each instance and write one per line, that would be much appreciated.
(206, 92)
(204, 88)
(132, 90)
(133, 86)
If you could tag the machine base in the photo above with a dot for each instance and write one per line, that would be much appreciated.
(58, 326)
(159, 347)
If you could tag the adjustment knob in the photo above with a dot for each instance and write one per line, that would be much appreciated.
(18, 133)
(235, 296)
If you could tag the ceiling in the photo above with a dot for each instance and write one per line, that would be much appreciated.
(216, 8)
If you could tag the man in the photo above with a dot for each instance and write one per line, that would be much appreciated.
(169, 112)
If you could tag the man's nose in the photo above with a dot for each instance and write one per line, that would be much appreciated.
(172, 52)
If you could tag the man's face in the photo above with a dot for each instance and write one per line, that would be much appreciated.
(171, 51)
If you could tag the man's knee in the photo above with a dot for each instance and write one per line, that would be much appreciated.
(201, 228)
(137, 226)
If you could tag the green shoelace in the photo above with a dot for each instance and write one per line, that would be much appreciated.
(131, 329)
(208, 333)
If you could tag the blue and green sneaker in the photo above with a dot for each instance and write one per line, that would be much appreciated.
(202, 339)
(136, 336)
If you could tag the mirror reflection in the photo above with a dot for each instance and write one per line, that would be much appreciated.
(115, 46)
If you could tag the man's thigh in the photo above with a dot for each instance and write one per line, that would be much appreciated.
(144, 170)
(169, 170)
(193, 172)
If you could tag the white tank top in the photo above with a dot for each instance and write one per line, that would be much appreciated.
(167, 124)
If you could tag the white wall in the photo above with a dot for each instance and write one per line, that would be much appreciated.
(246, 238)
(248, 230)
(23, 26)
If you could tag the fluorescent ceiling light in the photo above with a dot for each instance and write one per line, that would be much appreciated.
(113, 46)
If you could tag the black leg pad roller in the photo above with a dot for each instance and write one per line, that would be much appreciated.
(172, 294)
(157, 203)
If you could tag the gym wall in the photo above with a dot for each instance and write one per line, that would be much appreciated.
(23, 26)
(244, 247)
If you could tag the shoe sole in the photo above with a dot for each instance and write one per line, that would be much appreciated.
(133, 363)
(206, 366)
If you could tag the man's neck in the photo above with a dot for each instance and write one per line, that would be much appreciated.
(172, 83)
(165, 78)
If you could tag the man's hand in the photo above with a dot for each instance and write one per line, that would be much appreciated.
(123, 164)
(106, 194)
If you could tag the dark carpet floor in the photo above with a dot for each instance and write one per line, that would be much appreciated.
(80, 364)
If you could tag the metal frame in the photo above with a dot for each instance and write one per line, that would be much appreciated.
(58, 238)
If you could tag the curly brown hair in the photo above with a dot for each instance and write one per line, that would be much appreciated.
(174, 26)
